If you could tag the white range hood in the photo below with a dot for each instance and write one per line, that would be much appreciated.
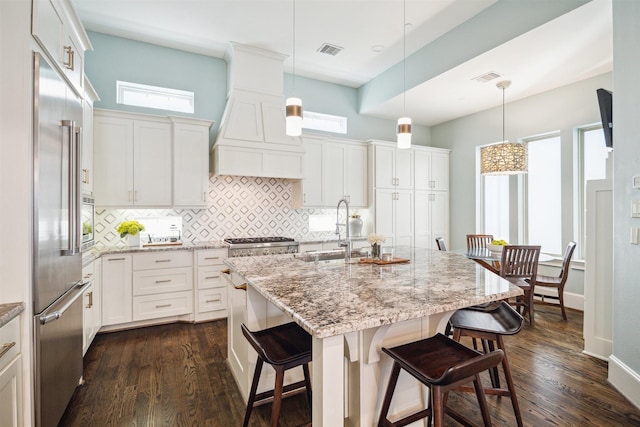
(251, 140)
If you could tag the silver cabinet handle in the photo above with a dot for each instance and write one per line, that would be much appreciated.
(213, 257)
(163, 281)
(212, 300)
(163, 305)
(211, 277)
(116, 259)
(69, 62)
(6, 347)
(163, 260)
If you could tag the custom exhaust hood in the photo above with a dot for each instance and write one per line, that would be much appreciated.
(251, 140)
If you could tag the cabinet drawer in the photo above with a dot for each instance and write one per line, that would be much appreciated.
(210, 277)
(88, 271)
(9, 341)
(162, 305)
(212, 300)
(162, 259)
(211, 257)
(149, 282)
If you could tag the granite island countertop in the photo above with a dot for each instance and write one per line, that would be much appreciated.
(332, 298)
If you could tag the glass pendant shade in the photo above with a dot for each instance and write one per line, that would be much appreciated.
(506, 158)
(294, 116)
(404, 132)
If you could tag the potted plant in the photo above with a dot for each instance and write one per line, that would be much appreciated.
(132, 229)
(376, 241)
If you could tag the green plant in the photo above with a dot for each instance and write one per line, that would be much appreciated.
(129, 227)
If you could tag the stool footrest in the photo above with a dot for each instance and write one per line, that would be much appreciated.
(288, 390)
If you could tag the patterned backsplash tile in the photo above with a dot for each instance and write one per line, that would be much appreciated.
(238, 206)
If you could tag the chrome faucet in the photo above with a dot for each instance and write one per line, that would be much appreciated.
(346, 244)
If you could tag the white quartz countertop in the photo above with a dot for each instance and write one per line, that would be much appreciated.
(332, 298)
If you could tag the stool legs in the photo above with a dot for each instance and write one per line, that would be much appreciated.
(277, 396)
(395, 372)
(252, 393)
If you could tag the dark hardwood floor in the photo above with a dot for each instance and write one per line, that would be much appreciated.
(176, 375)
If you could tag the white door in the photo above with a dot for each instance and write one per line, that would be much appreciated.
(385, 214)
(404, 168)
(356, 175)
(152, 164)
(113, 149)
(403, 220)
(333, 172)
(190, 165)
(117, 298)
(439, 216)
(423, 219)
(422, 169)
(440, 171)
(313, 170)
(384, 166)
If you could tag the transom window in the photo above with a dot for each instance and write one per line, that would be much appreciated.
(324, 122)
(161, 98)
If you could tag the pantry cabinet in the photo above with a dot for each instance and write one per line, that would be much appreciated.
(334, 169)
(392, 167)
(394, 210)
(431, 171)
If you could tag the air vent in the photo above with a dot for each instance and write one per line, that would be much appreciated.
(487, 77)
(330, 49)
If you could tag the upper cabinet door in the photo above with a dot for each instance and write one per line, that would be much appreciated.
(440, 171)
(152, 164)
(191, 165)
(333, 173)
(48, 28)
(384, 166)
(113, 166)
(422, 170)
(356, 175)
(404, 168)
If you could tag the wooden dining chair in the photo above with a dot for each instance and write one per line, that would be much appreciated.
(557, 282)
(440, 244)
(475, 241)
(519, 263)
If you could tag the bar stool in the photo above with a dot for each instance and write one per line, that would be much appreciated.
(283, 347)
(441, 364)
(489, 324)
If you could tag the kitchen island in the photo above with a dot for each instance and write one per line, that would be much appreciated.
(352, 310)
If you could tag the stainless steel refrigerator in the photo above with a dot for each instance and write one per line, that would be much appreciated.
(57, 261)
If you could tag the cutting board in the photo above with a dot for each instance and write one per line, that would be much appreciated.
(382, 262)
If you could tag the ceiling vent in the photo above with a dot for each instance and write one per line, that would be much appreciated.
(330, 49)
(487, 77)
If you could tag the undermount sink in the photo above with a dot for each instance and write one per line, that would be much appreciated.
(313, 256)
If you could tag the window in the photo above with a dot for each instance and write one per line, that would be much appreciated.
(324, 122)
(160, 98)
(496, 206)
(591, 162)
(542, 194)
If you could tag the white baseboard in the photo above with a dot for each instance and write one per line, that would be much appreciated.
(625, 380)
(571, 300)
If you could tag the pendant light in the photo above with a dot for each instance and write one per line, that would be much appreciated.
(294, 104)
(505, 158)
(404, 123)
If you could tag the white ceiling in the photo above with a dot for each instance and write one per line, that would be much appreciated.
(573, 47)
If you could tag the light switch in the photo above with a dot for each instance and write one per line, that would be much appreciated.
(635, 235)
(635, 209)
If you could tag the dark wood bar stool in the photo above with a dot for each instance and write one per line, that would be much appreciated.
(441, 364)
(283, 347)
(489, 324)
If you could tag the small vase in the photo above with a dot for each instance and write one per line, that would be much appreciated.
(375, 251)
(133, 241)
(355, 225)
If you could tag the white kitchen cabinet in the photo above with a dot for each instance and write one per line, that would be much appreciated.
(134, 160)
(190, 162)
(162, 284)
(431, 169)
(92, 303)
(392, 167)
(10, 375)
(334, 169)
(394, 212)
(117, 294)
(431, 218)
(58, 30)
(211, 291)
(87, 137)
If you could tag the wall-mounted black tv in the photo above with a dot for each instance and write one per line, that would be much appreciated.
(606, 114)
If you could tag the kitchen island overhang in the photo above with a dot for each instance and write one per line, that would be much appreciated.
(352, 310)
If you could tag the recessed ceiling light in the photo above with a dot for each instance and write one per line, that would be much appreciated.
(377, 48)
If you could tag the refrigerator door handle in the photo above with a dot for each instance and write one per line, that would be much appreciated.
(48, 316)
(74, 166)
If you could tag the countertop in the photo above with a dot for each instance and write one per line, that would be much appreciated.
(10, 311)
(333, 298)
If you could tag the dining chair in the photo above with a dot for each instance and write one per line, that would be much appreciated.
(475, 241)
(557, 282)
(440, 244)
(518, 263)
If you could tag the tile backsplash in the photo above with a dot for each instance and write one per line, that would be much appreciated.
(238, 206)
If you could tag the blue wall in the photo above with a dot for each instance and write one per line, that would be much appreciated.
(116, 58)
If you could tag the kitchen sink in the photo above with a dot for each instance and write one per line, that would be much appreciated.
(313, 256)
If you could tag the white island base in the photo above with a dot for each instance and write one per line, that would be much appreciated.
(349, 372)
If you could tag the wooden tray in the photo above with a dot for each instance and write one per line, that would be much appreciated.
(147, 245)
(382, 262)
